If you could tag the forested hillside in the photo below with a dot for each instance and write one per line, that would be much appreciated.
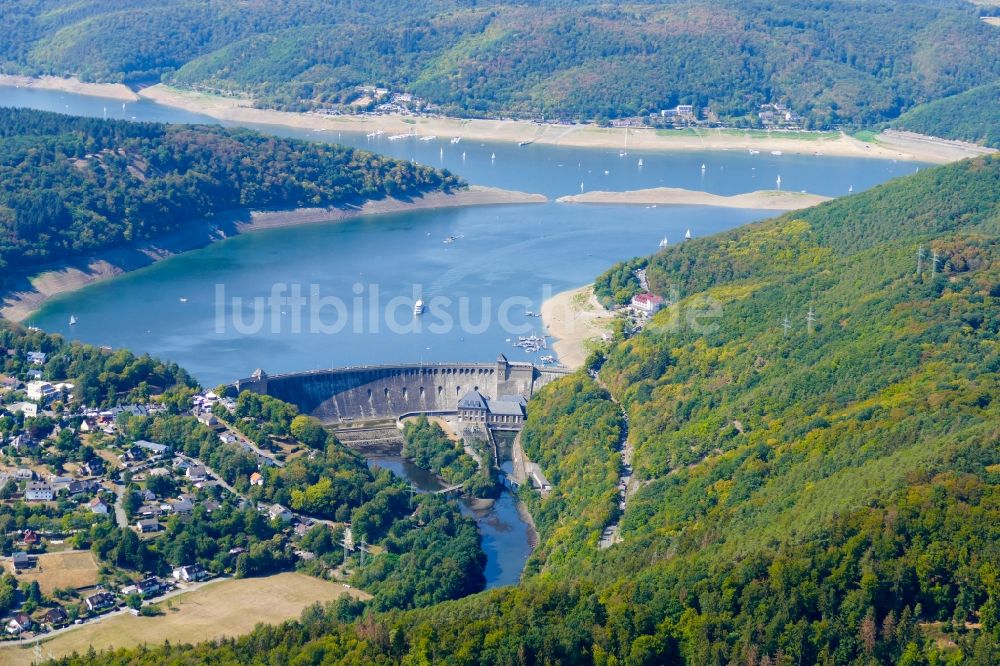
(970, 116)
(72, 185)
(855, 62)
(825, 494)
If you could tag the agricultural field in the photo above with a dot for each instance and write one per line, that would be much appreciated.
(228, 608)
(74, 569)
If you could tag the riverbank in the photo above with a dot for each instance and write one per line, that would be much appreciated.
(28, 290)
(117, 91)
(888, 145)
(575, 319)
(675, 196)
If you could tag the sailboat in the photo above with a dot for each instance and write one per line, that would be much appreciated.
(703, 168)
(850, 189)
(624, 150)
(663, 243)
(779, 182)
(640, 162)
(72, 320)
(493, 157)
(687, 235)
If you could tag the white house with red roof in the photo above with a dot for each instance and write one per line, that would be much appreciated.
(647, 303)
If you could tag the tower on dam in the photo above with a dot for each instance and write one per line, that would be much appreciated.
(389, 391)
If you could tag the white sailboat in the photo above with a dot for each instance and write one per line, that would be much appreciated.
(493, 157)
(72, 320)
(640, 162)
(663, 243)
(779, 182)
(687, 235)
(624, 150)
(703, 168)
(850, 189)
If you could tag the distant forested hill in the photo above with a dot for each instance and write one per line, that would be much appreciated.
(72, 185)
(829, 494)
(970, 116)
(834, 61)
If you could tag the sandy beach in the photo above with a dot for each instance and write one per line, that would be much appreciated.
(888, 145)
(116, 91)
(574, 318)
(29, 290)
(674, 196)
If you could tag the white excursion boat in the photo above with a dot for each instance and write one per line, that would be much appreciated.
(418, 308)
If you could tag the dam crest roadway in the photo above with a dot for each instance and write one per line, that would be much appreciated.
(379, 392)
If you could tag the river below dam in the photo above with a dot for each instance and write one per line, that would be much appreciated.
(197, 308)
(507, 539)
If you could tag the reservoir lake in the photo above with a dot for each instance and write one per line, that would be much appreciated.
(199, 308)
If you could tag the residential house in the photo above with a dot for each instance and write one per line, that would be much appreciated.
(24, 474)
(147, 587)
(209, 419)
(278, 512)
(99, 601)
(190, 573)
(196, 473)
(37, 357)
(79, 486)
(20, 560)
(93, 467)
(182, 506)
(29, 409)
(38, 491)
(147, 525)
(256, 479)
(56, 617)
(19, 624)
(41, 392)
(153, 447)
(97, 506)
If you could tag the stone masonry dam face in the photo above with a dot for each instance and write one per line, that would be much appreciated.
(389, 391)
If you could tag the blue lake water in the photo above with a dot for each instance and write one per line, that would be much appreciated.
(504, 253)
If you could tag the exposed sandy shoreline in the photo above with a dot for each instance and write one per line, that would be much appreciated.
(117, 91)
(761, 199)
(888, 145)
(29, 290)
(573, 318)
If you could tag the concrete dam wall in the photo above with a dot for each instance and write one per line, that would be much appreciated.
(388, 391)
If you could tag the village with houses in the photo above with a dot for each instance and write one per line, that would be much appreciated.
(83, 498)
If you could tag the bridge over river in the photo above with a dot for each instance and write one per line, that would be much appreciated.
(381, 392)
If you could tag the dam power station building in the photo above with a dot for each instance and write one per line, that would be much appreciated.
(380, 392)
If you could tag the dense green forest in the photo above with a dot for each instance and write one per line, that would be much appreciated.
(855, 62)
(429, 447)
(970, 116)
(72, 185)
(829, 494)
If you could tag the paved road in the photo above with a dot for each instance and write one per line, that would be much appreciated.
(626, 481)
